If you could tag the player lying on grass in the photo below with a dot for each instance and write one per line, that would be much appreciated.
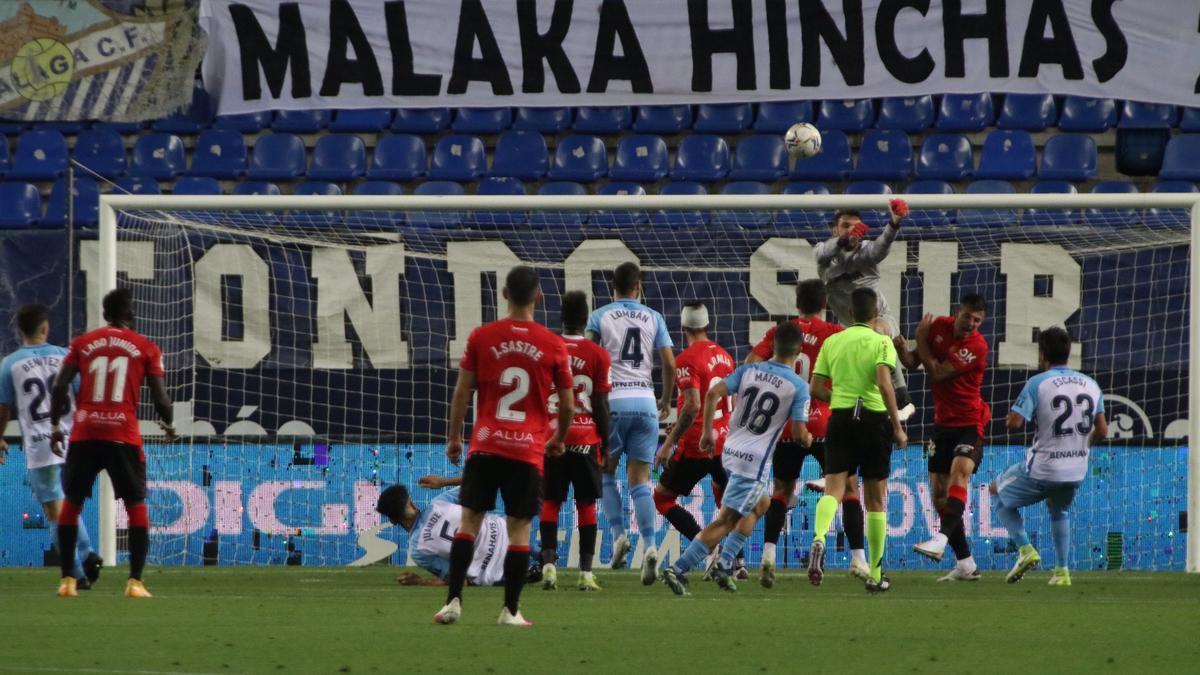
(432, 534)
(1068, 409)
(954, 355)
(768, 394)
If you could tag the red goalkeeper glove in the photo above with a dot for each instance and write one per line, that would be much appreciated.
(859, 231)
(899, 208)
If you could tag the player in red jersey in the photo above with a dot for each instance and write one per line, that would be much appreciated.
(515, 364)
(113, 361)
(697, 367)
(954, 355)
(586, 447)
(811, 299)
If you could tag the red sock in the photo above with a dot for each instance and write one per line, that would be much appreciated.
(663, 502)
(587, 513)
(138, 515)
(958, 492)
(550, 511)
(69, 515)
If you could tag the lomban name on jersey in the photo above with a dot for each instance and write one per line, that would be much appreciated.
(517, 347)
(115, 342)
(634, 314)
(38, 362)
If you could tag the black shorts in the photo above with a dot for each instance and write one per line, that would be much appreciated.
(681, 475)
(951, 442)
(579, 466)
(123, 462)
(862, 446)
(519, 485)
(789, 457)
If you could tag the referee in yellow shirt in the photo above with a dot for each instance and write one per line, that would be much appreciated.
(854, 373)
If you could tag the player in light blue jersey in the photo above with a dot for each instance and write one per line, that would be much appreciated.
(631, 333)
(769, 393)
(26, 378)
(1068, 409)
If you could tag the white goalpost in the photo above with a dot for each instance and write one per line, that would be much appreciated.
(310, 340)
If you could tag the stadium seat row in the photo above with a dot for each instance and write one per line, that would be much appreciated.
(884, 155)
(951, 112)
(23, 202)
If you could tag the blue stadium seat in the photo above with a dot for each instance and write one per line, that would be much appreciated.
(1069, 157)
(988, 217)
(421, 120)
(817, 221)
(544, 120)
(873, 217)
(520, 154)
(776, 117)
(1007, 155)
(338, 157)
(744, 218)
(1051, 217)
(301, 121)
(196, 185)
(22, 205)
(906, 113)
(846, 115)
(481, 120)
(723, 118)
(256, 187)
(277, 157)
(458, 157)
(945, 157)
(662, 119)
(1189, 121)
(123, 128)
(137, 185)
(193, 119)
(313, 219)
(1111, 217)
(1093, 115)
(66, 128)
(641, 158)
(4, 159)
(1140, 152)
(929, 217)
(833, 162)
(604, 120)
(761, 157)
(884, 155)
(437, 218)
(85, 200)
(1031, 112)
(100, 150)
(246, 123)
(701, 157)
(555, 219)
(398, 157)
(620, 218)
(1156, 217)
(965, 112)
(40, 155)
(12, 126)
(579, 158)
(498, 187)
(219, 153)
(371, 120)
(1137, 115)
(376, 220)
(681, 218)
(159, 156)
(1180, 160)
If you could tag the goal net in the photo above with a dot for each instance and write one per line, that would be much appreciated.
(311, 346)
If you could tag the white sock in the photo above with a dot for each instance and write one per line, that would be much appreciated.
(858, 555)
(769, 550)
(967, 564)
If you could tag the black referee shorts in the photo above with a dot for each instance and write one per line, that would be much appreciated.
(123, 462)
(862, 446)
(519, 485)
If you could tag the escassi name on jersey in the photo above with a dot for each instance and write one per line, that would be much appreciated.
(517, 347)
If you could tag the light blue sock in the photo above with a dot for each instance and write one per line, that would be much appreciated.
(610, 504)
(1013, 522)
(692, 556)
(1060, 530)
(83, 548)
(643, 510)
(733, 544)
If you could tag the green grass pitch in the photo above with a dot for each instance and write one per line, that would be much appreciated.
(318, 620)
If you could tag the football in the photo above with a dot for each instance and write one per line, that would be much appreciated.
(803, 140)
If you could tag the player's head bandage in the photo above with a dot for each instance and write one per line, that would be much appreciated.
(694, 317)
